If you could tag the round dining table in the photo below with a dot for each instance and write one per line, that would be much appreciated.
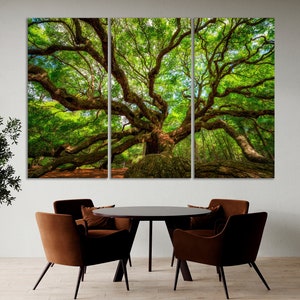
(171, 215)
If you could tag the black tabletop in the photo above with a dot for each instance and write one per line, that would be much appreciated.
(150, 212)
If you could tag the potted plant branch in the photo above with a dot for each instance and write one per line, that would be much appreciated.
(9, 134)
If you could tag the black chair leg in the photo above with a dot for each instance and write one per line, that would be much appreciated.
(173, 258)
(83, 273)
(177, 273)
(123, 262)
(218, 271)
(260, 275)
(221, 269)
(42, 275)
(129, 260)
(80, 277)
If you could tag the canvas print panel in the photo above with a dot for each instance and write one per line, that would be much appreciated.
(234, 97)
(67, 97)
(151, 97)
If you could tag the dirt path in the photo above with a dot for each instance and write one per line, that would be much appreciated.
(86, 173)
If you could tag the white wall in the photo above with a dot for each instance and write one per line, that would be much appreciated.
(280, 197)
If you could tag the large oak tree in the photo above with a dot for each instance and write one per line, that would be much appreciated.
(151, 67)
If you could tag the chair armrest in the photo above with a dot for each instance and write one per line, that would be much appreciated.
(122, 223)
(219, 225)
(197, 248)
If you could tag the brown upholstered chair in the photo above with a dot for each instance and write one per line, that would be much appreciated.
(208, 224)
(64, 244)
(238, 243)
(106, 227)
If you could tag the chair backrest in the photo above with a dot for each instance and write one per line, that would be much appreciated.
(60, 238)
(71, 207)
(231, 207)
(242, 236)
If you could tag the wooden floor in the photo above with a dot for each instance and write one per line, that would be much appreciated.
(18, 276)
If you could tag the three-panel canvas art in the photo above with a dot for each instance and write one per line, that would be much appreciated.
(151, 97)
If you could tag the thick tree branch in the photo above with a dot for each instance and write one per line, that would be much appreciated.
(251, 114)
(244, 90)
(76, 160)
(175, 40)
(250, 153)
(69, 101)
(118, 73)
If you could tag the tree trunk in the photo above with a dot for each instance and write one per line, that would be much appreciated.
(160, 142)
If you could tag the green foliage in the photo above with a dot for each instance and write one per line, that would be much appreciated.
(128, 157)
(216, 146)
(9, 133)
(62, 127)
(183, 148)
(139, 41)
